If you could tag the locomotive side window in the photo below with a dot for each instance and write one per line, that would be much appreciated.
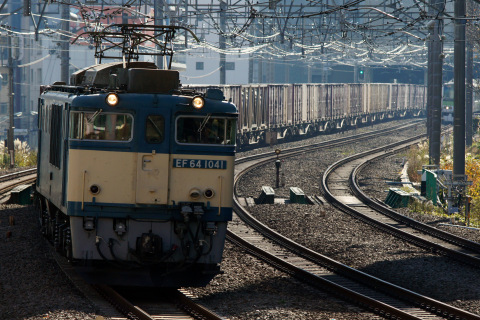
(154, 129)
(76, 125)
(55, 134)
(206, 130)
(100, 126)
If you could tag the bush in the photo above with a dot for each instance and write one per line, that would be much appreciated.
(417, 157)
(24, 156)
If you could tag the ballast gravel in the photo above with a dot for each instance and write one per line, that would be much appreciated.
(32, 286)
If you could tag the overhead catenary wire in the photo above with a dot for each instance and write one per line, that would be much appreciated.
(281, 38)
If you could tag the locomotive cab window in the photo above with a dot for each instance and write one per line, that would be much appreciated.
(154, 129)
(206, 130)
(101, 126)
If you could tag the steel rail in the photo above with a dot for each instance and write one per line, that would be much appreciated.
(131, 311)
(122, 304)
(14, 175)
(319, 282)
(426, 303)
(380, 207)
(196, 310)
(417, 240)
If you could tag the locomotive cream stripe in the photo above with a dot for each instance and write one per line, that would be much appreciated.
(186, 179)
(140, 178)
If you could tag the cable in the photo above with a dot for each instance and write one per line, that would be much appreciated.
(203, 76)
(33, 62)
(352, 29)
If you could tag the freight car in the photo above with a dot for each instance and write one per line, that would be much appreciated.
(272, 112)
(135, 175)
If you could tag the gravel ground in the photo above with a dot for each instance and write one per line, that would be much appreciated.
(249, 288)
(372, 180)
(337, 235)
(32, 286)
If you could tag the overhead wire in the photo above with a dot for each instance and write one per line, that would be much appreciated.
(281, 32)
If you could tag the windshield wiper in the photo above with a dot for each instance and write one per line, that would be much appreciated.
(94, 116)
(204, 122)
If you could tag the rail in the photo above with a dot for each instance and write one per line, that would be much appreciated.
(425, 303)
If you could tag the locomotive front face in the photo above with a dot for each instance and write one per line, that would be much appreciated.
(201, 163)
(150, 179)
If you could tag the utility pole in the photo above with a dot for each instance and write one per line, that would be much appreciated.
(259, 56)
(459, 93)
(250, 68)
(15, 98)
(260, 68)
(223, 17)
(429, 95)
(158, 20)
(437, 83)
(11, 127)
(469, 96)
(65, 43)
(15, 89)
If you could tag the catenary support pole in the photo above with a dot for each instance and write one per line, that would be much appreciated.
(158, 18)
(65, 43)
(429, 94)
(437, 84)
(459, 92)
(469, 97)
(223, 23)
(11, 108)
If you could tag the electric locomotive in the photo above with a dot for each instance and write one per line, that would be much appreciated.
(135, 175)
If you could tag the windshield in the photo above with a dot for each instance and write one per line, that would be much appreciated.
(100, 126)
(206, 130)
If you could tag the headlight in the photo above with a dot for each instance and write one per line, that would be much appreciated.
(194, 193)
(112, 99)
(198, 102)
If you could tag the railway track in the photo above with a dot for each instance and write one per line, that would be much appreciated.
(342, 189)
(380, 297)
(317, 268)
(12, 180)
(139, 303)
(150, 304)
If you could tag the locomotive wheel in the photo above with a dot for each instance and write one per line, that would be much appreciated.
(67, 243)
(49, 223)
(41, 213)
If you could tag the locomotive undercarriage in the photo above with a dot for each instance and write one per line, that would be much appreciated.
(147, 263)
(55, 227)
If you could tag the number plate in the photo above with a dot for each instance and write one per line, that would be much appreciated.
(199, 164)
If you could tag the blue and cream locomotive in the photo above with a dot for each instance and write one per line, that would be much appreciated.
(135, 175)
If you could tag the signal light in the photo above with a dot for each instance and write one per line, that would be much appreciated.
(361, 74)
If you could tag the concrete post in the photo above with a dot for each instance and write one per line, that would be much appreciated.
(459, 92)
(437, 83)
(469, 97)
(223, 17)
(65, 44)
(158, 21)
